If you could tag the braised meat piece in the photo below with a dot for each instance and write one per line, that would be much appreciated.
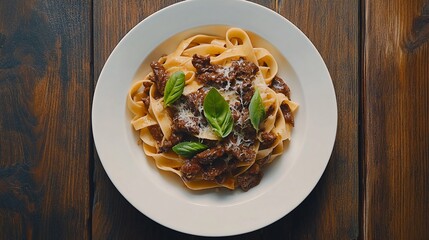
(195, 100)
(240, 70)
(156, 132)
(279, 86)
(209, 73)
(287, 113)
(187, 117)
(267, 140)
(209, 155)
(236, 112)
(221, 178)
(248, 132)
(250, 178)
(189, 127)
(167, 144)
(202, 64)
(243, 153)
(146, 88)
(190, 169)
(247, 93)
(146, 101)
(160, 76)
(211, 171)
(244, 70)
(270, 110)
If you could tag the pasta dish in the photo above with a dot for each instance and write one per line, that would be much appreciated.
(214, 111)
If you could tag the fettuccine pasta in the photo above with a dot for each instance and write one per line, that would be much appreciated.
(184, 136)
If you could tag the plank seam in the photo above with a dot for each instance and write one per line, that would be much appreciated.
(362, 122)
(91, 163)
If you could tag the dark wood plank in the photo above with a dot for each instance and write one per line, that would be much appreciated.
(45, 96)
(396, 120)
(324, 213)
(332, 209)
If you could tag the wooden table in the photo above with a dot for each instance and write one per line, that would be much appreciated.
(52, 184)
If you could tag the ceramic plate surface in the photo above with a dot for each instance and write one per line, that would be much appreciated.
(162, 196)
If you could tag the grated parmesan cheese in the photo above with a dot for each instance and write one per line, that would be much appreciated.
(186, 115)
(224, 71)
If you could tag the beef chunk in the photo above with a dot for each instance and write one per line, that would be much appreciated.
(250, 178)
(243, 125)
(244, 73)
(156, 132)
(267, 140)
(190, 169)
(195, 100)
(287, 113)
(160, 76)
(189, 124)
(245, 128)
(209, 155)
(236, 112)
(208, 73)
(215, 169)
(190, 127)
(221, 178)
(244, 70)
(167, 144)
(146, 101)
(279, 86)
(243, 153)
(202, 64)
(247, 92)
(218, 76)
(146, 88)
(270, 110)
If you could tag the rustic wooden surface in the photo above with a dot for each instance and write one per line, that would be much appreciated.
(45, 102)
(52, 184)
(396, 120)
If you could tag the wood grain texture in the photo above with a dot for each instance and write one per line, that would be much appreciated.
(45, 95)
(396, 120)
(324, 213)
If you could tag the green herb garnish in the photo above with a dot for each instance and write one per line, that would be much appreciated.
(189, 149)
(218, 113)
(174, 88)
(256, 110)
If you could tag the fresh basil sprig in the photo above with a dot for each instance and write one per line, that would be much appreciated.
(217, 113)
(256, 110)
(189, 149)
(174, 88)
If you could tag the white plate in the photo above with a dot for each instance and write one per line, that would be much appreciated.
(162, 196)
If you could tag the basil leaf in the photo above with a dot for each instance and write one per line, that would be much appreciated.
(217, 113)
(256, 110)
(174, 88)
(189, 149)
